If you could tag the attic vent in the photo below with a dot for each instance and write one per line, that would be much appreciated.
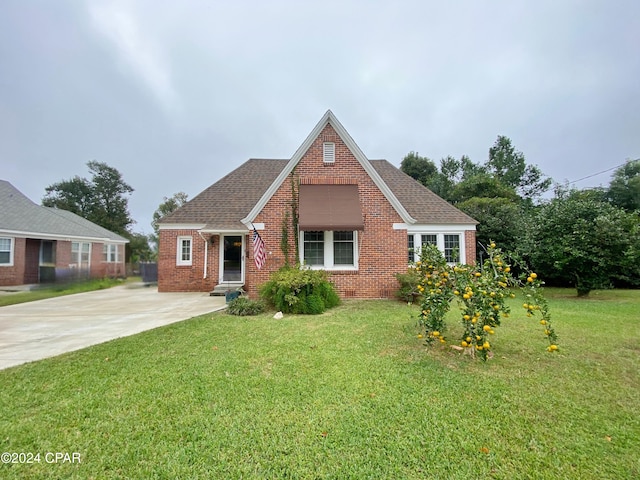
(329, 152)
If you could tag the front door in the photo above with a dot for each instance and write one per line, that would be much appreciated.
(232, 258)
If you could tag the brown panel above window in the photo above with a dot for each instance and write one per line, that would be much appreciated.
(330, 207)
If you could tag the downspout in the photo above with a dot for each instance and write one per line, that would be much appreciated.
(206, 254)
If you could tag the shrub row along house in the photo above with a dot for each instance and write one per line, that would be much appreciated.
(42, 244)
(327, 207)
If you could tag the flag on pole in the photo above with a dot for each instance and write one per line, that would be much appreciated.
(259, 253)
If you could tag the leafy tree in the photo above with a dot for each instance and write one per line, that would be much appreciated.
(102, 200)
(508, 165)
(578, 240)
(501, 220)
(624, 189)
(420, 168)
(138, 248)
(481, 186)
(168, 205)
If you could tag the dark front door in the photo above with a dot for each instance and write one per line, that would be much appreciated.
(232, 258)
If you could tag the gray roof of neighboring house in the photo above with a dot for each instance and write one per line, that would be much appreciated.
(20, 215)
(223, 204)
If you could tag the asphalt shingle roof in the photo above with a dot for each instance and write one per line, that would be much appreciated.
(421, 203)
(223, 204)
(19, 214)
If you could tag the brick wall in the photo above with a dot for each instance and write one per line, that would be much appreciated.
(470, 246)
(187, 278)
(14, 275)
(26, 261)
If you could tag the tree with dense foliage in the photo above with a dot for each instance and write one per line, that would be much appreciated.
(624, 189)
(504, 175)
(138, 248)
(509, 166)
(501, 220)
(576, 239)
(420, 168)
(101, 200)
(168, 205)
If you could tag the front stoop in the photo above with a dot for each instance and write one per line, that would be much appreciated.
(223, 288)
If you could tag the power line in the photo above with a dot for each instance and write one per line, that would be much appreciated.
(599, 173)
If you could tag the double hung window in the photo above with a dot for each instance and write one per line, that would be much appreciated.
(330, 249)
(6, 251)
(184, 253)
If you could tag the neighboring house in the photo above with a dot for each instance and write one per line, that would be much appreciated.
(357, 218)
(42, 244)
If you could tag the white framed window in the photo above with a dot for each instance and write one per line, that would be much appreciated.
(452, 248)
(6, 251)
(81, 254)
(110, 252)
(184, 253)
(448, 243)
(330, 250)
(329, 152)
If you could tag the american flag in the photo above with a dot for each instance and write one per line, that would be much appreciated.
(259, 253)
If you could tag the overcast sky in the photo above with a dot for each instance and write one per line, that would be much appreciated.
(176, 94)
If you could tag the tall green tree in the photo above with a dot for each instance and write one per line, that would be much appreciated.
(420, 168)
(624, 189)
(577, 239)
(509, 166)
(168, 205)
(102, 200)
(501, 220)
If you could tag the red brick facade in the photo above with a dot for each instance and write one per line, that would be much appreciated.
(381, 248)
(26, 262)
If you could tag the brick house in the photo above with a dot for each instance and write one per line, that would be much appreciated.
(357, 218)
(41, 244)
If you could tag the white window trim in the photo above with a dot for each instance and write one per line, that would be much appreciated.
(109, 248)
(179, 260)
(77, 259)
(328, 253)
(417, 242)
(12, 245)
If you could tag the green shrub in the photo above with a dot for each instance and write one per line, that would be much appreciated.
(294, 290)
(409, 282)
(243, 306)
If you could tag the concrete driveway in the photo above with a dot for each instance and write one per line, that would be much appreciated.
(45, 328)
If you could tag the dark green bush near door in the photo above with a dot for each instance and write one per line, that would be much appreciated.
(293, 290)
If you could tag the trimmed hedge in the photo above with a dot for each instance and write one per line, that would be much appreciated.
(294, 290)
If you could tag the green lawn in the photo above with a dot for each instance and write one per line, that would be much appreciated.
(351, 393)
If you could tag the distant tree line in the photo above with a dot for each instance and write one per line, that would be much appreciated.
(588, 239)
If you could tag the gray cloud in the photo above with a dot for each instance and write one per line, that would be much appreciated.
(177, 94)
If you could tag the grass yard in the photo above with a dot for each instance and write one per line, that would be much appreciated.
(351, 393)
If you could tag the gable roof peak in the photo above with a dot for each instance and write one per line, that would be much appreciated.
(329, 118)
